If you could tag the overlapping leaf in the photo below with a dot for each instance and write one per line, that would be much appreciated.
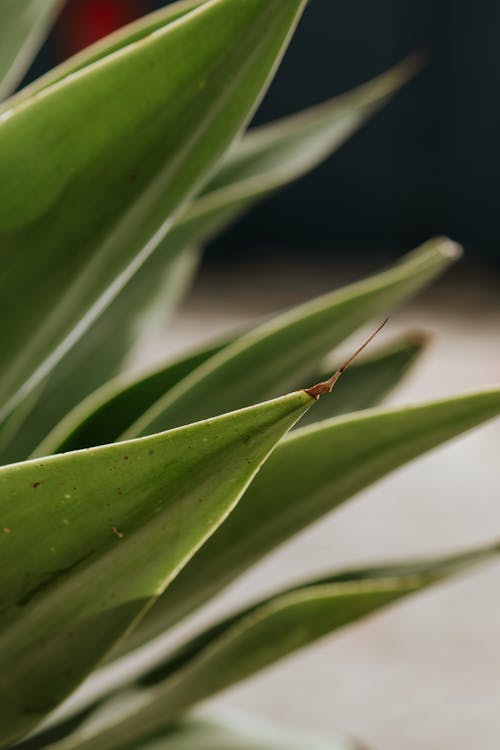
(314, 470)
(264, 362)
(257, 637)
(158, 116)
(23, 25)
(264, 160)
(270, 358)
(126, 35)
(89, 540)
(136, 314)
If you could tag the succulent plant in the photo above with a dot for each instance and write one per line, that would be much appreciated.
(128, 500)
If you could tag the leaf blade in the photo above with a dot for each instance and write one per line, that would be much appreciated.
(123, 199)
(264, 361)
(255, 638)
(109, 530)
(311, 473)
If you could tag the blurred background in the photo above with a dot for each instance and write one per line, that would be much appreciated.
(425, 675)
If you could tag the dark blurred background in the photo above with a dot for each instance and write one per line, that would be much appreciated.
(428, 164)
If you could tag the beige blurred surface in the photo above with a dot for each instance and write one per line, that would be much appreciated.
(426, 673)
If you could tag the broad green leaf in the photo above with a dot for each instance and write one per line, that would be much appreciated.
(271, 358)
(109, 411)
(158, 117)
(312, 472)
(265, 160)
(370, 378)
(91, 538)
(23, 26)
(255, 638)
(137, 313)
(264, 362)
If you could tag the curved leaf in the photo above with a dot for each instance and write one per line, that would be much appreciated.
(91, 538)
(124, 36)
(312, 472)
(109, 411)
(23, 26)
(138, 312)
(265, 361)
(257, 637)
(159, 115)
(266, 159)
(269, 359)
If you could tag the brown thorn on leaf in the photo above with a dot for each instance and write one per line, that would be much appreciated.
(327, 386)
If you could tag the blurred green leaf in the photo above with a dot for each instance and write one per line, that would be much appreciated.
(158, 116)
(268, 360)
(23, 27)
(255, 638)
(312, 472)
(109, 411)
(90, 539)
(132, 32)
(264, 160)
(271, 156)
(272, 357)
(138, 313)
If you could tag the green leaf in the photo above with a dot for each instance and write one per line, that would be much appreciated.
(269, 359)
(126, 35)
(158, 116)
(370, 378)
(255, 638)
(266, 159)
(92, 538)
(136, 314)
(109, 411)
(23, 26)
(312, 472)
(274, 155)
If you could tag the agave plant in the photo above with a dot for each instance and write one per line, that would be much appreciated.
(128, 500)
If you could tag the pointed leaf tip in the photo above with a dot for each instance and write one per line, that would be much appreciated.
(450, 248)
(327, 386)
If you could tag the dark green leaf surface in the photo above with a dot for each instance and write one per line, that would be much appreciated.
(23, 26)
(137, 314)
(159, 115)
(260, 364)
(311, 472)
(269, 359)
(106, 414)
(257, 637)
(90, 538)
